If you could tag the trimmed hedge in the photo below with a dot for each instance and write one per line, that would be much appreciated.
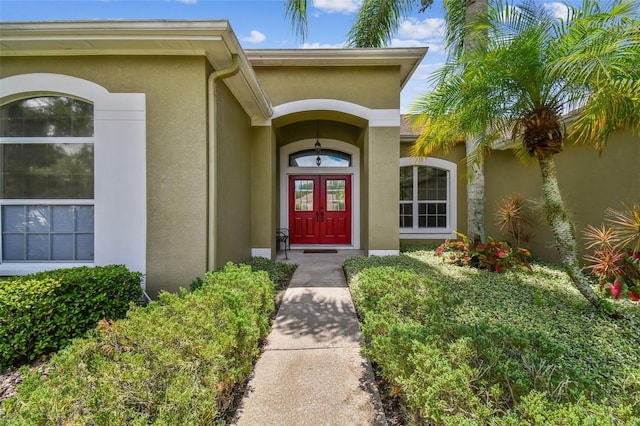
(176, 361)
(41, 313)
(464, 346)
(279, 272)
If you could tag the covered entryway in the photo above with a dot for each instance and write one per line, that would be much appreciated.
(320, 209)
(320, 204)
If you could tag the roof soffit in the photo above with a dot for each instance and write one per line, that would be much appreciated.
(407, 59)
(213, 39)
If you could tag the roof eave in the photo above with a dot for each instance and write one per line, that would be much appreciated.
(213, 39)
(408, 59)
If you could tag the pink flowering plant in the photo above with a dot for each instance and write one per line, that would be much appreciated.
(495, 256)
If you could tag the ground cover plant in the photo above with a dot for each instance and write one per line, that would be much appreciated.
(41, 313)
(459, 345)
(176, 361)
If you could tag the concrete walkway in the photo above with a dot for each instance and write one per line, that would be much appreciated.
(311, 372)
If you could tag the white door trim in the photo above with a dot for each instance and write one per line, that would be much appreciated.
(354, 171)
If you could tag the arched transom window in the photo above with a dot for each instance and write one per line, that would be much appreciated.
(321, 158)
(47, 180)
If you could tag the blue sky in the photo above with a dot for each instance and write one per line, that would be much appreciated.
(257, 23)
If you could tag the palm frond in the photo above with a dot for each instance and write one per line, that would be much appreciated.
(377, 21)
(455, 22)
(296, 11)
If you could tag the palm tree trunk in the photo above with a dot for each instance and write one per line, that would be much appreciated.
(474, 37)
(475, 197)
(563, 229)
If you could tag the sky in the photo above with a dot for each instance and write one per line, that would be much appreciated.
(259, 24)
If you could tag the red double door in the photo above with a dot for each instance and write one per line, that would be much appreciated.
(320, 209)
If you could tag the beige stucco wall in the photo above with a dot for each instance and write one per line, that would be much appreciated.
(264, 193)
(373, 87)
(233, 178)
(589, 183)
(175, 89)
(382, 153)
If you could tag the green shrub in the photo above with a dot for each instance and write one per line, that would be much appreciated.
(176, 361)
(280, 273)
(41, 313)
(465, 346)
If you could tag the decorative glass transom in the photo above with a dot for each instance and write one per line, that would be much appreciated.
(328, 158)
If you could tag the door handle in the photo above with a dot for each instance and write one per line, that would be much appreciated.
(322, 216)
(317, 216)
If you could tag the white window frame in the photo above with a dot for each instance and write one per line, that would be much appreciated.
(119, 140)
(452, 193)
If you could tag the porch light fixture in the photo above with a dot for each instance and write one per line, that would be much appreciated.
(318, 146)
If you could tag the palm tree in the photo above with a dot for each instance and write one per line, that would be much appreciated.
(542, 81)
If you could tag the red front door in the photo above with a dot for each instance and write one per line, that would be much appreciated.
(320, 209)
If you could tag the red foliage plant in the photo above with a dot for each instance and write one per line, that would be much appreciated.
(495, 256)
(616, 256)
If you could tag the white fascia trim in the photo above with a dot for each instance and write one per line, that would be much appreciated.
(120, 209)
(426, 236)
(375, 117)
(261, 252)
(20, 268)
(383, 252)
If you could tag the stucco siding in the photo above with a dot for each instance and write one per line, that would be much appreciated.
(175, 90)
(371, 87)
(233, 179)
(382, 152)
(264, 191)
(589, 183)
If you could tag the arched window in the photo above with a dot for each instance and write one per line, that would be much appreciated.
(322, 158)
(427, 198)
(47, 180)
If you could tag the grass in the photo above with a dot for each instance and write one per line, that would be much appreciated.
(462, 346)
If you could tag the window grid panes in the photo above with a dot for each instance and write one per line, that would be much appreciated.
(47, 116)
(423, 198)
(46, 171)
(304, 195)
(50, 173)
(335, 195)
(47, 233)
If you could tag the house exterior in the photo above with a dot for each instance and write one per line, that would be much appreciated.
(165, 146)
(200, 149)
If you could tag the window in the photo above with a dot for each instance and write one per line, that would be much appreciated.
(427, 195)
(47, 180)
(326, 157)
